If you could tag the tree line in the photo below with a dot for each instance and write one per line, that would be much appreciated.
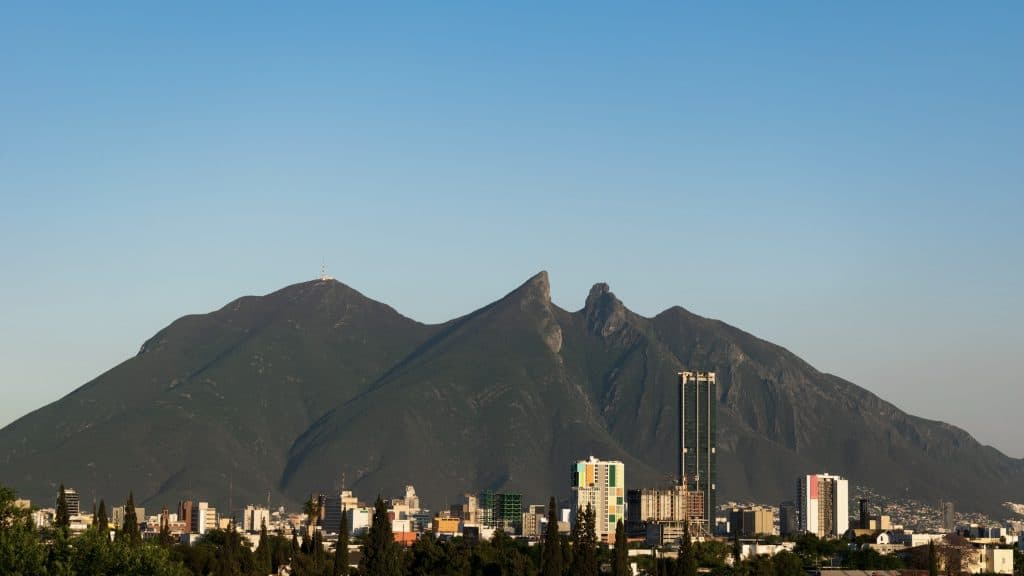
(27, 551)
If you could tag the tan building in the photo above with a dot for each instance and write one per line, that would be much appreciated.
(752, 521)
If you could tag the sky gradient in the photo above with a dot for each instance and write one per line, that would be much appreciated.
(844, 180)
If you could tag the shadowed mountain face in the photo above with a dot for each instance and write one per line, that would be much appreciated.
(291, 391)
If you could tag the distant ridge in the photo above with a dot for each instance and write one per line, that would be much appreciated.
(291, 390)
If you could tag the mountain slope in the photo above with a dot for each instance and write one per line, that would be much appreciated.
(212, 402)
(292, 390)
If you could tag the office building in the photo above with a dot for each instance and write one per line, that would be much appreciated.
(788, 524)
(948, 516)
(698, 422)
(645, 506)
(117, 516)
(72, 501)
(185, 513)
(502, 510)
(751, 522)
(204, 518)
(254, 518)
(823, 505)
(602, 485)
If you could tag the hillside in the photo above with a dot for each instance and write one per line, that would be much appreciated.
(289, 392)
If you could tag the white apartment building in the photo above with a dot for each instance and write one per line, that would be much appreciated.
(204, 518)
(254, 517)
(823, 502)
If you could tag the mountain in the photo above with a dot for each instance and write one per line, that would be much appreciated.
(294, 391)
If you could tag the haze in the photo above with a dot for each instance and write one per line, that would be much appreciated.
(843, 180)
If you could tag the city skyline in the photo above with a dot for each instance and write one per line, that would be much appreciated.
(848, 177)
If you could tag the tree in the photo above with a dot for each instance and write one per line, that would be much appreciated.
(551, 561)
(341, 548)
(263, 550)
(933, 560)
(687, 563)
(584, 545)
(63, 517)
(102, 522)
(380, 556)
(620, 567)
(130, 529)
(21, 552)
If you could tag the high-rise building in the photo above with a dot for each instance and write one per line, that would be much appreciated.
(502, 510)
(698, 422)
(823, 503)
(788, 524)
(948, 516)
(254, 518)
(73, 502)
(331, 510)
(204, 518)
(602, 485)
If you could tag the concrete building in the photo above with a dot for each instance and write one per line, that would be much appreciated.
(602, 485)
(117, 516)
(750, 522)
(650, 505)
(359, 519)
(823, 505)
(698, 423)
(788, 523)
(502, 510)
(254, 517)
(204, 518)
(73, 502)
(534, 521)
(948, 516)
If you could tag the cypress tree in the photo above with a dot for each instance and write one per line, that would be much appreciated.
(263, 551)
(380, 557)
(102, 522)
(341, 548)
(590, 567)
(130, 530)
(551, 562)
(63, 519)
(687, 563)
(933, 560)
(620, 567)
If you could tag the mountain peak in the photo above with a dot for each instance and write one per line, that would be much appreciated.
(604, 312)
(537, 286)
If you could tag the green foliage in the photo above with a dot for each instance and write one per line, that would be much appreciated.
(63, 518)
(551, 563)
(380, 554)
(21, 552)
(686, 565)
(102, 522)
(620, 563)
(584, 543)
(130, 530)
(712, 553)
(341, 547)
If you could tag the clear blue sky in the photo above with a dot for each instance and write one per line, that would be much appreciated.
(844, 179)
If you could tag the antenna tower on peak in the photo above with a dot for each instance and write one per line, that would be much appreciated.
(324, 277)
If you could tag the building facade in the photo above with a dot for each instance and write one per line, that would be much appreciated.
(602, 485)
(502, 510)
(698, 458)
(823, 502)
(751, 522)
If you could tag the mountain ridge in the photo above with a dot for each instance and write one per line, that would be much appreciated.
(316, 381)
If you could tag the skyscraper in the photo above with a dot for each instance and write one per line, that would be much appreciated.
(823, 503)
(602, 485)
(698, 422)
(948, 517)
